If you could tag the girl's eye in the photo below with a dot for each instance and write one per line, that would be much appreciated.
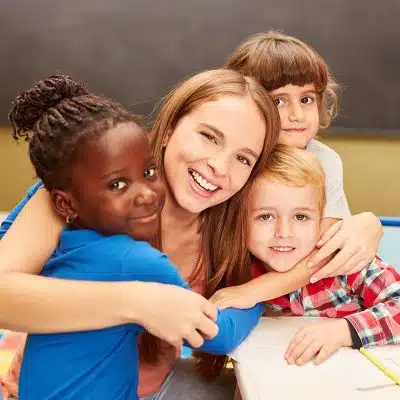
(117, 185)
(150, 172)
(279, 102)
(301, 217)
(209, 137)
(307, 100)
(266, 217)
(243, 160)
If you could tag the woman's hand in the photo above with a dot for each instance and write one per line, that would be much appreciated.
(174, 314)
(356, 241)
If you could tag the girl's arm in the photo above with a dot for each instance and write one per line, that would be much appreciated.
(39, 304)
(263, 288)
(355, 239)
(234, 326)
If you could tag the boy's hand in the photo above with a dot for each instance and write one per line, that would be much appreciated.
(320, 339)
(234, 296)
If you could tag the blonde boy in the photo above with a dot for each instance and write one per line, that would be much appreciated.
(285, 209)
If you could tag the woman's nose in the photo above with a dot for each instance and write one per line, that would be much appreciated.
(219, 164)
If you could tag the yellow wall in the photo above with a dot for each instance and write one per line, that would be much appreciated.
(371, 172)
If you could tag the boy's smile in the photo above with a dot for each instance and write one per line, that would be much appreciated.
(283, 223)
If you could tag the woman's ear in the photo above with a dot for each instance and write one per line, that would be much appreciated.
(64, 204)
(166, 138)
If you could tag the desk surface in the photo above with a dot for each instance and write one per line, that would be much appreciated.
(262, 376)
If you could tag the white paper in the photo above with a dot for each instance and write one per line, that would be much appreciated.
(347, 371)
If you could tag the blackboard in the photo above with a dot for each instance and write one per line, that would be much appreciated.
(136, 50)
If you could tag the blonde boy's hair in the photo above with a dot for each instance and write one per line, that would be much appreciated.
(277, 60)
(296, 168)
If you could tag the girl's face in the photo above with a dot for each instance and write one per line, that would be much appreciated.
(115, 185)
(298, 109)
(212, 151)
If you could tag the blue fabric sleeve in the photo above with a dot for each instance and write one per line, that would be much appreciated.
(234, 327)
(14, 213)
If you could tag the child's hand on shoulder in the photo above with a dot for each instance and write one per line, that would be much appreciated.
(318, 340)
(234, 296)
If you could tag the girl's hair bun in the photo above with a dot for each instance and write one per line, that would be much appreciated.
(30, 105)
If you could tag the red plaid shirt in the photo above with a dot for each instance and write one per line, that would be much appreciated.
(369, 300)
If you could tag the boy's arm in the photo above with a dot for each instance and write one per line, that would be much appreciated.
(379, 286)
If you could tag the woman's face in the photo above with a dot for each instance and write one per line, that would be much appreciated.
(212, 151)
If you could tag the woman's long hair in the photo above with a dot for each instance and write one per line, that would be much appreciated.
(223, 227)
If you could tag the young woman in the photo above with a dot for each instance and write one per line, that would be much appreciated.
(212, 135)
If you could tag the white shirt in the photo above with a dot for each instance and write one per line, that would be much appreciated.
(336, 202)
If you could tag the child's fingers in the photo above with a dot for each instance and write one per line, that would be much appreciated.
(322, 355)
(216, 297)
(333, 266)
(298, 349)
(309, 353)
(347, 266)
(326, 250)
(329, 233)
(299, 336)
(224, 303)
(213, 298)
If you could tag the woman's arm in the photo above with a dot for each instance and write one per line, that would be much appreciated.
(31, 237)
(39, 304)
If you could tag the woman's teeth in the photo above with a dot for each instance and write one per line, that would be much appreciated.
(202, 182)
(282, 249)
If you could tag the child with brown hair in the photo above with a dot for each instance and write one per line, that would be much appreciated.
(284, 215)
(305, 93)
(301, 85)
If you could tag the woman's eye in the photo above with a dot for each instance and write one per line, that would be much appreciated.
(209, 137)
(243, 160)
(279, 102)
(117, 185)
(149, 172)
(307, 100)
(266, 217)
(301, 217)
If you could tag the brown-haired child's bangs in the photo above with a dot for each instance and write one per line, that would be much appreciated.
(289, 63)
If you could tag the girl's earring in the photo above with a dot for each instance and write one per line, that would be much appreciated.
(69, 220)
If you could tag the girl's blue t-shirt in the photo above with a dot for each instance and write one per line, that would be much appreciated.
(102, 364)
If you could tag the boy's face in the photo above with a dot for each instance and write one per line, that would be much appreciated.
(115, 185)
(298, 109)
(283, 223)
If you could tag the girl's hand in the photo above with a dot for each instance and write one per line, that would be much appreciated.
(356, 239)
(234, 296)
(175, 314)
(320, 339)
